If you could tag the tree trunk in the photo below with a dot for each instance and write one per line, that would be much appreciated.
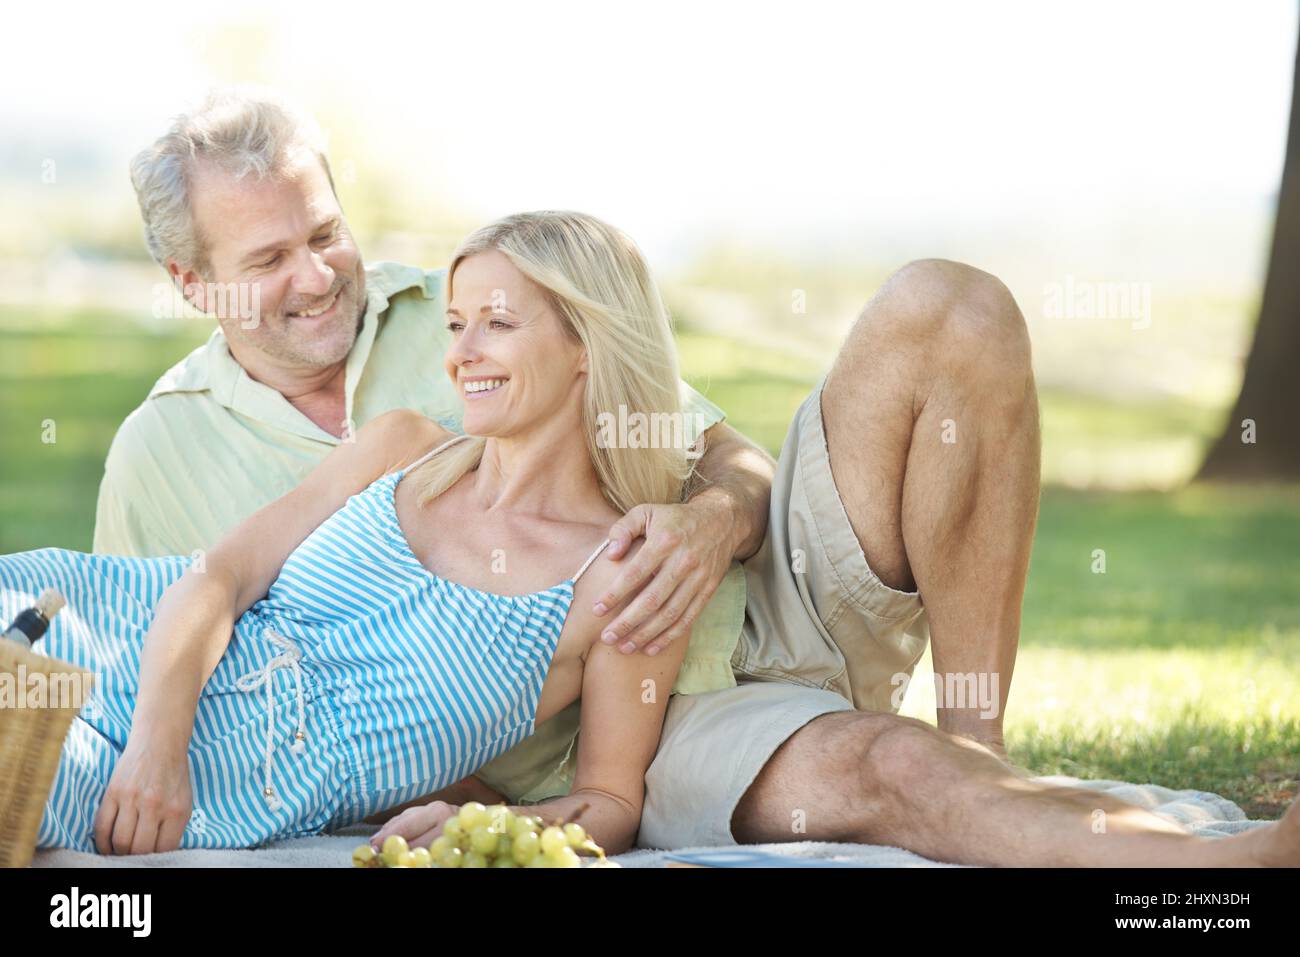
(1270, 391)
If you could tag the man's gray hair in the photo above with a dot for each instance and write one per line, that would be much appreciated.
(242, 131)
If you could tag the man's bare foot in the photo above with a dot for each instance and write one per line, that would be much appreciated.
(1279, 845)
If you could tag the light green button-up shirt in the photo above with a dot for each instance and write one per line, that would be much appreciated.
(210, 446)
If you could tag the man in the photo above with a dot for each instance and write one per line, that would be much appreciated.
(912, 469)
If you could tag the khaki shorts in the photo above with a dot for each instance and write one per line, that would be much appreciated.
(822, 633)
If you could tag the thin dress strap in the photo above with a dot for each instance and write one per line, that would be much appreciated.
(456, 438)
(588, 562)
(431, 453)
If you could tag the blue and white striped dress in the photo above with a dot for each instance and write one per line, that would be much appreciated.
(359, 682)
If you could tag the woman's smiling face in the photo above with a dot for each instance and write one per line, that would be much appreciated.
(510, 357)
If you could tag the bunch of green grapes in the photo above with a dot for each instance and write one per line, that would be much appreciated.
(481, 836)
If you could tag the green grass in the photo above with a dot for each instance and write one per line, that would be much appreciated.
(1179, 665)
(759, 389)
(84, 374)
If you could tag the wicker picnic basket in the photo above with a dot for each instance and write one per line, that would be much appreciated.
(31, 740)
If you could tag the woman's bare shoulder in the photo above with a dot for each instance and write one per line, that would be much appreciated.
(400, 436)
(599, 578)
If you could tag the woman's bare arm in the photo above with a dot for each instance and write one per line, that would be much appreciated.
(624, 700)
(148, 800)
(194, 618)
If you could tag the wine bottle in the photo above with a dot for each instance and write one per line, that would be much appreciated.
(33, 622)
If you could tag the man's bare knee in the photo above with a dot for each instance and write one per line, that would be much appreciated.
(808, 771)
(944, 291)
(880, 764)
(940, 308)
(905, 753)
(913, 757)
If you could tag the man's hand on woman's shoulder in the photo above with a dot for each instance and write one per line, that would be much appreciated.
(686, 553)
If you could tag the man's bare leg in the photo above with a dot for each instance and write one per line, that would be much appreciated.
(875, 778)
(931, 421)
(942, 352)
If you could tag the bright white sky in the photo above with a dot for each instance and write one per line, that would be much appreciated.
(763, 116)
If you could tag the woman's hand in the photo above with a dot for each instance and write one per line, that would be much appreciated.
(148, 801)
(419, 825)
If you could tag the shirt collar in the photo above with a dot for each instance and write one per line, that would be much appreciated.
(211, 367)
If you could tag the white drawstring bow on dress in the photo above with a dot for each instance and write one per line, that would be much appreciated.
(289, 656)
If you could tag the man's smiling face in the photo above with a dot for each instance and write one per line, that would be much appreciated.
(286, 234)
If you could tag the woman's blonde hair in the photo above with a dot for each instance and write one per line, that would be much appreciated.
(599, 285)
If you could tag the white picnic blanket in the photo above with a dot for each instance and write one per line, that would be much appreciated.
(1199, 811)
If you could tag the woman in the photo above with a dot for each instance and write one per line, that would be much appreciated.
(394, 622)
